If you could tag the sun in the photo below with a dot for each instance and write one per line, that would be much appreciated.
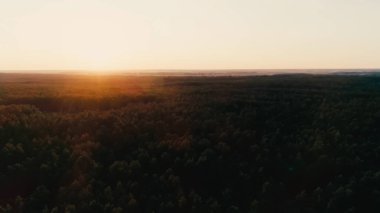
(96, 49)
(98, 58)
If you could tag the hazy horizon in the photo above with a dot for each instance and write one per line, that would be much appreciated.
(197, 72)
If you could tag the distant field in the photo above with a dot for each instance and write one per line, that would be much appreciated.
(113, 143)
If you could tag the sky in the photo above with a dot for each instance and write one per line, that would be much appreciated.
(189, 34)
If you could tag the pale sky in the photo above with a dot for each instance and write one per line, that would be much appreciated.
(189, 34)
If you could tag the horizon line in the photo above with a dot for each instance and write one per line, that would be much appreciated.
(182, 69)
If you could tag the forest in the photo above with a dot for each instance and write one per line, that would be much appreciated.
(161, 144)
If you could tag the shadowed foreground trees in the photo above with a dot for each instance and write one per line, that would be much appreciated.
(194, 144)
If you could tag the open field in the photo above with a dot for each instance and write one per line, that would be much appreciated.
(282, 143)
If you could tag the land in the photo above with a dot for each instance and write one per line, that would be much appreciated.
(169, 143)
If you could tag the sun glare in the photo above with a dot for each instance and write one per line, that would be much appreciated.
(98, 61)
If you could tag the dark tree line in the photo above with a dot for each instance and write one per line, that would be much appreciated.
(294, 143)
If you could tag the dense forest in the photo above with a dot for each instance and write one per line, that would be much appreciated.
(282, 143)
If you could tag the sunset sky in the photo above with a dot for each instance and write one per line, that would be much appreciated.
(188, 34)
